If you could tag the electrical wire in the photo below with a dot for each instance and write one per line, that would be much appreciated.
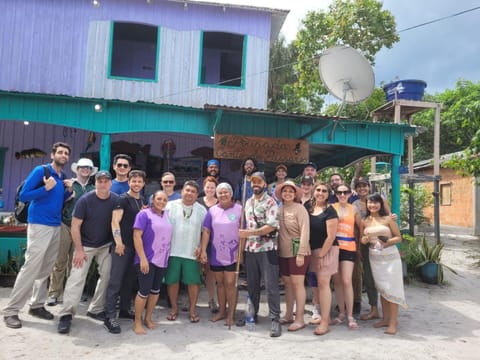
(317, 56)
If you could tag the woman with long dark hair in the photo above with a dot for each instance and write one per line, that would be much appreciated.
(324, 261)
(381, 233)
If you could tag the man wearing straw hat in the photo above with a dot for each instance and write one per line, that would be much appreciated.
(84, 170)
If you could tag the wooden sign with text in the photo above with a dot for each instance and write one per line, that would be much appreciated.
(263, 149)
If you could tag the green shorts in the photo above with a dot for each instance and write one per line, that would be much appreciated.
(186, 270)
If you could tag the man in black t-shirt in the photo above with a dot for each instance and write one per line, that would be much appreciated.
(123, 274)
(92, 237)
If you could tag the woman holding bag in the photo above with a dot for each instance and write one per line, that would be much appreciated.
(294, 251)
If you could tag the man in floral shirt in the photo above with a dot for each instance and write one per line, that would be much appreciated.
(261, 259)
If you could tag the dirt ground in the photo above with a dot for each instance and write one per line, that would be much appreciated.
(442, 322)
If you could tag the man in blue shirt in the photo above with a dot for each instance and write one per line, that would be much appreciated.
(122, 164)
(46, 197)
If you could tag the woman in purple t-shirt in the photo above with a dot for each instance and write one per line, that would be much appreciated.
(152, 235)
(223, 223)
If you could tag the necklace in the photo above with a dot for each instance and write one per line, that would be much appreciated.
(186, 214)
(138, 202)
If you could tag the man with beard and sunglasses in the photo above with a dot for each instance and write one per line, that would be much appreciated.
(261, 258)
(46, 196)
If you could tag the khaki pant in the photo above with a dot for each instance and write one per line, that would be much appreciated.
(78, 276)
(63, 264)
(42, 249)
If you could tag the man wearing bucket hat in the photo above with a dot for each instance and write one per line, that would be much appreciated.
(84, 170)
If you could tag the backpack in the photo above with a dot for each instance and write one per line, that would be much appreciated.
(21, 208)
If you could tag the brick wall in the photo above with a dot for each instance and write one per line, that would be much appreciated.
(460, 210)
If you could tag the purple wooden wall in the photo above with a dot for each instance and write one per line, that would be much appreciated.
(16, 136)
(43, 42)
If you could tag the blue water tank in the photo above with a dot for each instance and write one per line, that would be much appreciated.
(405, 89)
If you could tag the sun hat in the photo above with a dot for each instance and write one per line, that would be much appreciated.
(84, 162)
(279, 188)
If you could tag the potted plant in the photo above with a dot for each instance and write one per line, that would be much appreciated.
(411, 256)
(10, 268)
(431, 265)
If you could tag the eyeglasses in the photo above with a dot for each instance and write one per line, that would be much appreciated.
(322, 190)
(345, 192)
(126, 166)
(168, 181)
(84, 167)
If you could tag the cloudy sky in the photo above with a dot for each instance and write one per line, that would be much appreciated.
(438, 53)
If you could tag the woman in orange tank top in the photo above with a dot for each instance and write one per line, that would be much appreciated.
(348, 218)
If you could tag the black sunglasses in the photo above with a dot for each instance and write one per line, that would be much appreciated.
(345, 192)
(126, 166)
(167, 181)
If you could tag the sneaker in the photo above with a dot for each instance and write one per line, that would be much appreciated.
(112, 326)
(101, 316)
(41, 313)
(52, 301)
(64, 324)
(275, 329)
(13, 321)
(126, 314)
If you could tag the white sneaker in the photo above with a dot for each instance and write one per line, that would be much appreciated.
(316, 317)
(52, 301)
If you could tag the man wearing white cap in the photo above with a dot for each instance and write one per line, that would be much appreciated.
(83, 169)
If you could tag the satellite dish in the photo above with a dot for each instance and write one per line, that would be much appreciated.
(346, 74)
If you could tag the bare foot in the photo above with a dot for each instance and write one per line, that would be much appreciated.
(381, 323)
(217, 317)
(391, 330)
(229, 322)
(138, 329)
(150, 324)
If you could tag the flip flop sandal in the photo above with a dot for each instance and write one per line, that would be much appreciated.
(194, 318)
(352, 324)
(172, 316)
(369, 316)
(338, 320)
(284, 321)
(321, 331)
(295, 327)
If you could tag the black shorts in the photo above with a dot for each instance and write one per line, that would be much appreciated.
(346, 255)
(232, 267)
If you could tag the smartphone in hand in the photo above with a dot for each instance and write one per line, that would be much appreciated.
(383, 238)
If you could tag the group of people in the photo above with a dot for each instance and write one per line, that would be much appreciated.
(274, 230)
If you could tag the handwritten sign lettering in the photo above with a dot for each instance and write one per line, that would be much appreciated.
(261, 148)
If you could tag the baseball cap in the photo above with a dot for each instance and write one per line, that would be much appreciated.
(307, 179)
(213, 162)
(103, 173)
(281, 166)
(312, 164)
(258, 175)
(361, 180)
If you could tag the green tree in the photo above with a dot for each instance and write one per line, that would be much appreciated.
(459, 127)
(462, 116)
(361, 24)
